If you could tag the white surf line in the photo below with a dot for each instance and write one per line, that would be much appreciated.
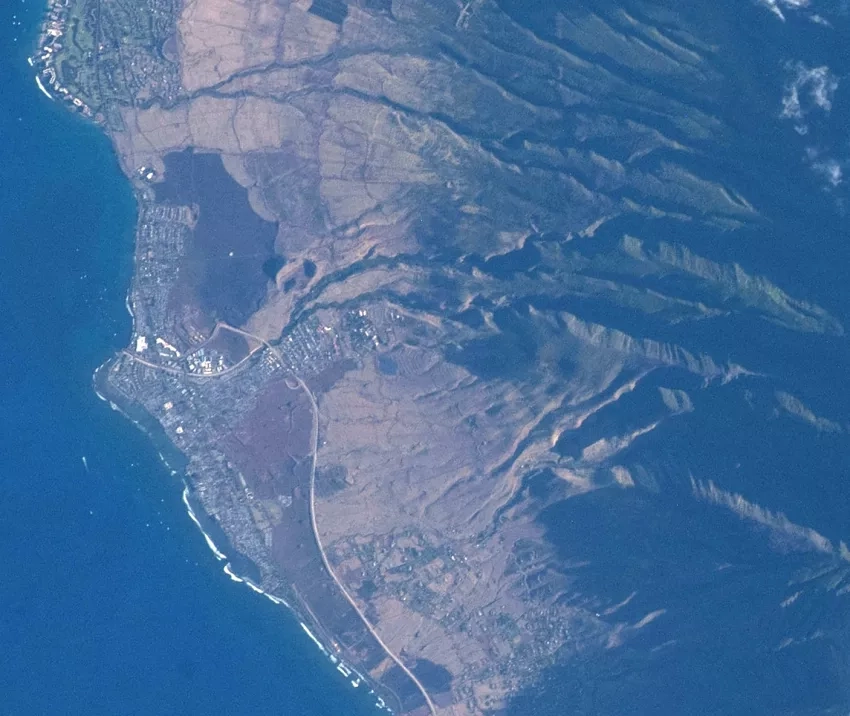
(165, 462)
(276, 600)
(258, 590)
(228, 570)
(42, 88)
(218, 553)
(102, 397)
(313, 637)
(341, 666)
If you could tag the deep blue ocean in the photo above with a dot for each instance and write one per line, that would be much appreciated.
(110, 601)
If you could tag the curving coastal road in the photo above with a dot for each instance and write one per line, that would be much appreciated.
(314, 446)
(314, 439)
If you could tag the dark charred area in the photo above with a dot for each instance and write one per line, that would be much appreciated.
(334, 11)
(386, 365)
(297, 556)
(435, 678)
(271, 447)
(330, 480)
(404, 688)
(325, 380)
(224, 263)
(384, 7)
(272, 265)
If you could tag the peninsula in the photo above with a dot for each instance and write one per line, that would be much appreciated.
(376, 307)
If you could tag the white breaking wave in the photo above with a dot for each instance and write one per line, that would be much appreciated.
(43, 88)
(228, 570)
(218, 553)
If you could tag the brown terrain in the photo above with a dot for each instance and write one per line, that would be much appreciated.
(367, 387)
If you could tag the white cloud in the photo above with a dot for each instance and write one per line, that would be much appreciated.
(809, 88)
(830, 169)
(819, 20)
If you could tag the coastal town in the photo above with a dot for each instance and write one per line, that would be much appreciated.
(98, 56)
(377, 304)
(255, 482)
(241, 344)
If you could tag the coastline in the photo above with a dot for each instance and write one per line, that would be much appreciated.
(173, 458)
(237, 567)
(617, 537)
(126, 608)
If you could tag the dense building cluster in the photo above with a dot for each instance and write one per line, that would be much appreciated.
(161, 238)
(99, 56)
